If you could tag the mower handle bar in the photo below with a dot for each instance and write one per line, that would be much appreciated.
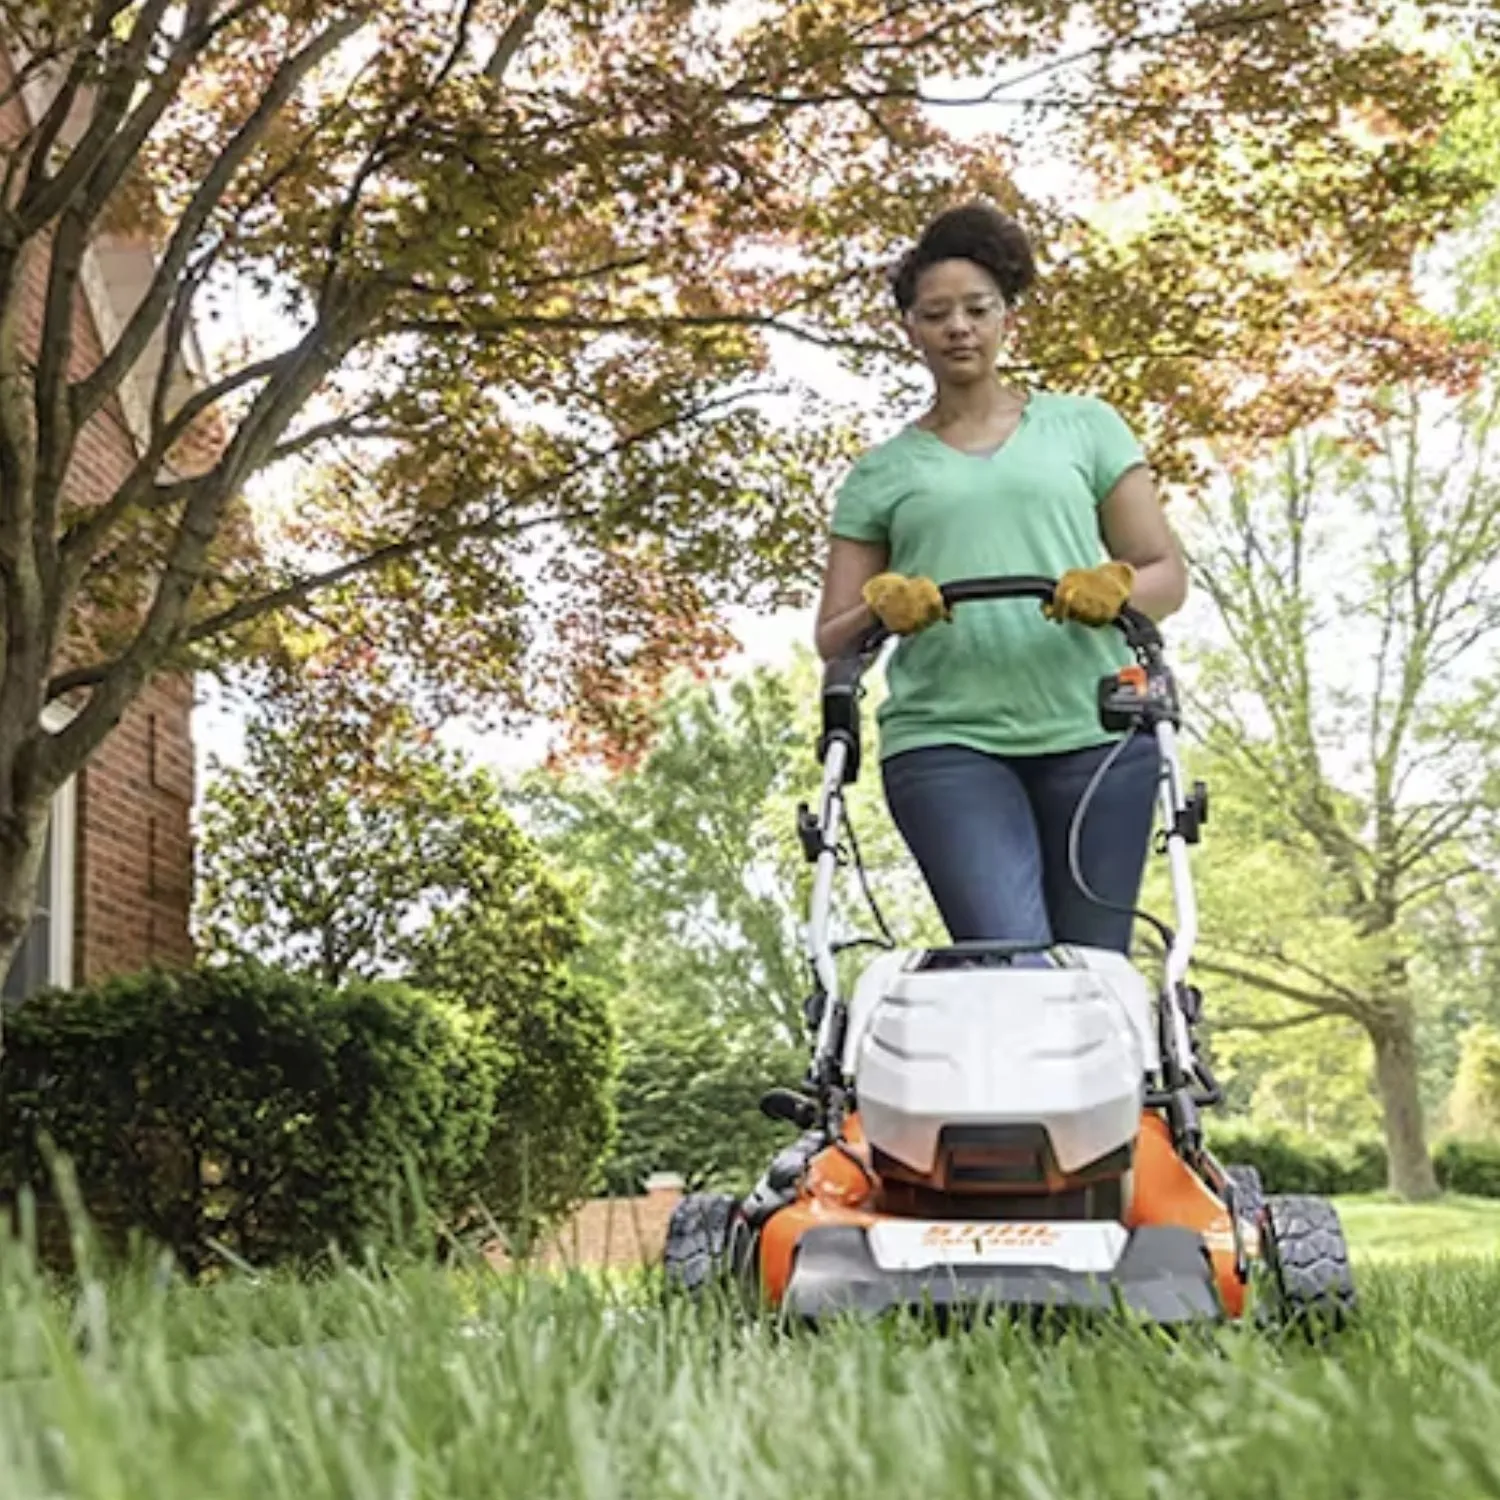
(1139, 630)
(842, 675)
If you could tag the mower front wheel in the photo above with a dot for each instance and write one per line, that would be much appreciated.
(1312, 1283)
(696, 1255)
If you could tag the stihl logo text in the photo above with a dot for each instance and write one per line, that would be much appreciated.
(954, 1236)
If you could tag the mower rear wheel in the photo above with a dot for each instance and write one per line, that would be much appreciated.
(696, 1256)
(1312, 1290)
(1249, 1192)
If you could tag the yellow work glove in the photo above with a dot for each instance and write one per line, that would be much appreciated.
(1092, 596)
(904, 605)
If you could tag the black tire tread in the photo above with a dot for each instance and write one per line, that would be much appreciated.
(1249, 1192)
(697, 1247)
(1315, 1282)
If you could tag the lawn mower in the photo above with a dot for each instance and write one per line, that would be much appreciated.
(997, 1126)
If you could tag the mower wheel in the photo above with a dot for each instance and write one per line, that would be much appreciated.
(697, 1249)
(1249, 1193)
(1312, 1290)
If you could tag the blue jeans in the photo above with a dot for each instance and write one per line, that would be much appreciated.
(990, 834)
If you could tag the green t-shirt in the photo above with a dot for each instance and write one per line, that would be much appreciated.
(999, 676)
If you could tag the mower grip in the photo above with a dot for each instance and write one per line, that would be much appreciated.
(1139, 630)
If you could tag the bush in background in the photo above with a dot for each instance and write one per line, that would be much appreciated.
(274, 1115)
(1293, 1164)
(1469, 1167)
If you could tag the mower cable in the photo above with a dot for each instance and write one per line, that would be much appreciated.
(1075, 840)
(864, 884)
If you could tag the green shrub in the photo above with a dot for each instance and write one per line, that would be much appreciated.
(1469, 1167)
(553, 1120)
(1292, 1164)
(1368, 1167)
(272, 1114)
(1286, 1163)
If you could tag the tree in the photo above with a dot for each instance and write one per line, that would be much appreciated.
(347, 845)
(520, 264)
(350, 846)
(1474, 1109)
(1352, 690)
(554, 1121)
(695, 890)
(688, 1096)
(1307, 1070)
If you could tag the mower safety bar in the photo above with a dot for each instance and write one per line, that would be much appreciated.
(842, 675)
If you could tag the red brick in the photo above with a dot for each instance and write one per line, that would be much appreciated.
(618, 1232)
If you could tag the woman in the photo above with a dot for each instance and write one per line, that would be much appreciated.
(991, 733)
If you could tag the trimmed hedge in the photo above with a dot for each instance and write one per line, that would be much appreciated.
(1469, 1167)
(1293, 1164)
(272, 1114)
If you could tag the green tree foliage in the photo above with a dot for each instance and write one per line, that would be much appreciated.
(688, 1096)
(553, 1122)
(519, 270)
(350, 842)
(1350, 696)
(1284, 1066)
(695, 893)
(350, 845)
(1474, 1108)
(1472, 137)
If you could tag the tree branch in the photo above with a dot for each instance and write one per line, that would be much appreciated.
(512, 39)
(252, 609)
(115, 685)
(1286, 1023)
(37, 63)
(322, 432)
(1439, 883)
(1111, 46)
(1323, 1002)
(94, 390)
(565, 323)
(43, 198)
(86, 535)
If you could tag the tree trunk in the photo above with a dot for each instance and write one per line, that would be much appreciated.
(1410, 1174)
(23, 840)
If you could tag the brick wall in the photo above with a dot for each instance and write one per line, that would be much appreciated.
(133, 890)
(133, 862)
(621, 1233)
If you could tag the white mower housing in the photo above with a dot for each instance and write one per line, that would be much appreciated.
(1066, 1046)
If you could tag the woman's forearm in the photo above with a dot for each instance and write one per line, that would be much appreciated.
(836, 634)
(1160, 587)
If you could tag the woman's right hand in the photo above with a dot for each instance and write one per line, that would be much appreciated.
(905, 605)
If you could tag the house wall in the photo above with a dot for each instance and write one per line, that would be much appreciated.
(132, 861)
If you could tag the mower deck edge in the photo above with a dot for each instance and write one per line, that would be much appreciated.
(1164, 1276)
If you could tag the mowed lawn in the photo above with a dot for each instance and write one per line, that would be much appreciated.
(426, 1385)
(1377, 1229)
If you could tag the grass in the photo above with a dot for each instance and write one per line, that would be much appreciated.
(1379, 1229)
(424, 1385)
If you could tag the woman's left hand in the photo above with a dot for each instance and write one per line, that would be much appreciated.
(1092, 596)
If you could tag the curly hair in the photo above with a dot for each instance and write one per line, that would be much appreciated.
(975, 232)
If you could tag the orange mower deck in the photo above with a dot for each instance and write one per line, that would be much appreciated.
(842, 1190)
